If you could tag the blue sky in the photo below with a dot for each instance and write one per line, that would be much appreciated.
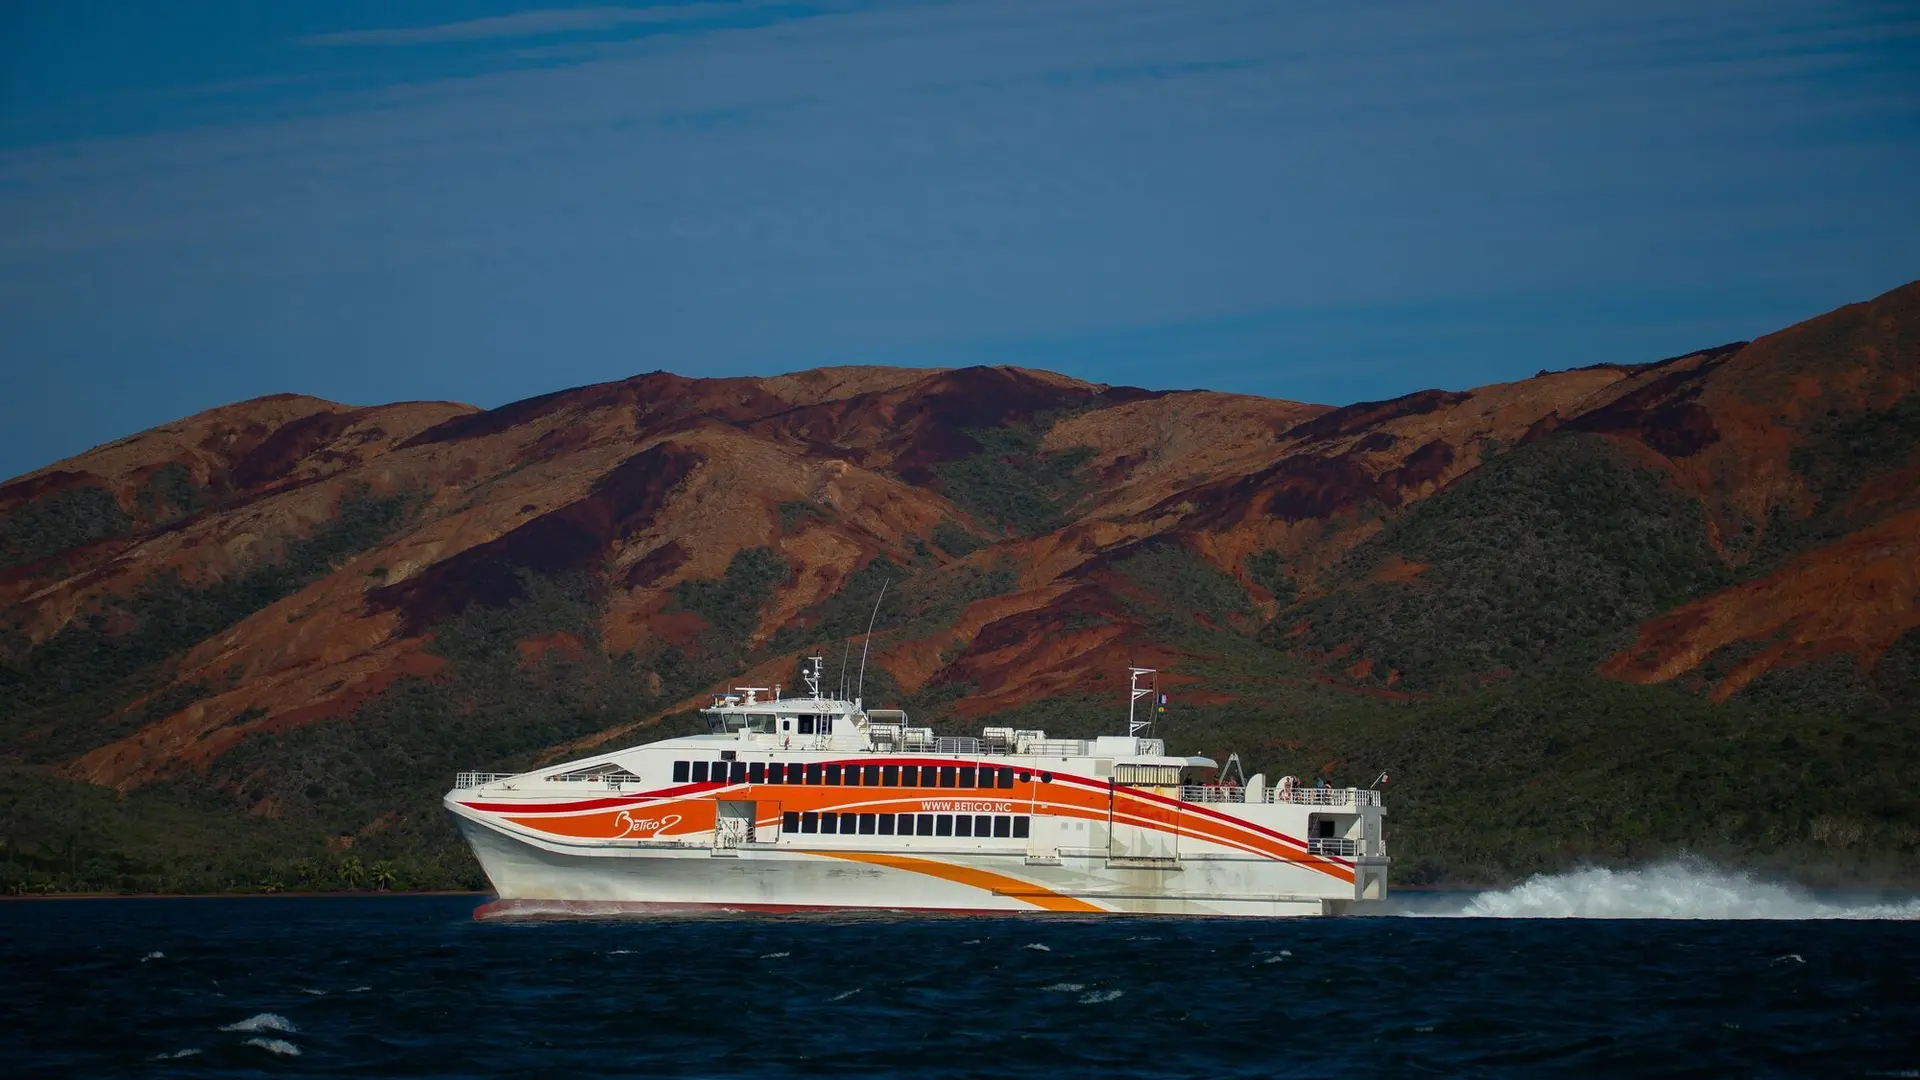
(206, 200)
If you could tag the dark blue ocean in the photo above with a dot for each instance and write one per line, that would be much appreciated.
(1773, 982)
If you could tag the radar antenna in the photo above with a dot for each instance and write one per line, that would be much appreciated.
(812, 674)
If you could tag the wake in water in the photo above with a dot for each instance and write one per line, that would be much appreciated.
(1674, 890)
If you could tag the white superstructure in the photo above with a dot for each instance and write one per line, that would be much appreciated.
(817, 802)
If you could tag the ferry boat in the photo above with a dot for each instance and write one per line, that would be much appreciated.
(809, 803)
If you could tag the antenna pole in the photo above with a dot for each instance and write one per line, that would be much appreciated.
(871, 619)
(843, 667)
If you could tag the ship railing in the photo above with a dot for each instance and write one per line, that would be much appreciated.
(1325, 796)
(961, 745)
(612, 780)
(1344, 846)
(1054, 748)
(479, 779)
(1212, 793)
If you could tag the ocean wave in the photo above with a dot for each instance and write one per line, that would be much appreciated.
(177, 1054)
(1673, 890)
(1036, 947)
(277, 1046)
(153, 956)
(1097, 996)
(263, 1022)
(1065, 988)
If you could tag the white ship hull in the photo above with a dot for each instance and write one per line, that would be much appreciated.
(535, 879)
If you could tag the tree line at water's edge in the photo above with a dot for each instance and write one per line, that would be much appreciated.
(1509, 754)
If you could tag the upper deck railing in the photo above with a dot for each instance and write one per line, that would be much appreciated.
(478, 779)
(1213, 793)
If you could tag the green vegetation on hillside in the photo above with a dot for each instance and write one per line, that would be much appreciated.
(170, 493)
(1176, 587)
(1538, 555)
(954, 540)
(731, 605)
(61, 698)
(1011, 484)
(54, 523)
(1843, 451)
(1269, 570)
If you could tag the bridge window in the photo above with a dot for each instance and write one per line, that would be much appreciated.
(833, 774)
(806, 725)
(1020, 826)
(790, 821)
(966, 776)
(699, 772)
(809, 822)
(886, 824)
(890, 775)
(1003, 826)
(680, 772)
(757, 773)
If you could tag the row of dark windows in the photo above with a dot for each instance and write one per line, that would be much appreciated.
(845, 824)
(761, 772)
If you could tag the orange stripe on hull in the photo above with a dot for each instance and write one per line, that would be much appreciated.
(967, 875)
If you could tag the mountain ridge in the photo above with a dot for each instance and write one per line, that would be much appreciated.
(240, 604)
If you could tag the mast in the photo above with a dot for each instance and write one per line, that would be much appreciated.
(1135, 692)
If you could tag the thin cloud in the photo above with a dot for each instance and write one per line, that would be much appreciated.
(518, 24)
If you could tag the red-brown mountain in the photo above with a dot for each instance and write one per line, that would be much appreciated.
(270, 603)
